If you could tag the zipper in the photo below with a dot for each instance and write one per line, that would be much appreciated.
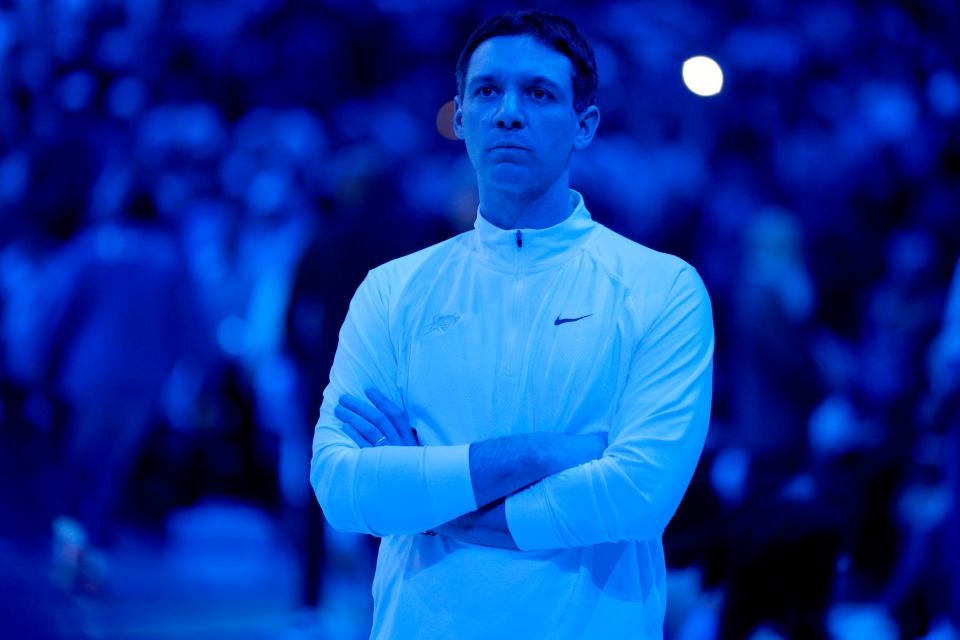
(515, 324)
(512, 356)
(520, 339)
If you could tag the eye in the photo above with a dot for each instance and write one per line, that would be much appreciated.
(540, 94)
(486, 91)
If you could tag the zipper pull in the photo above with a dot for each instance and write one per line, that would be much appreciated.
(519, 239)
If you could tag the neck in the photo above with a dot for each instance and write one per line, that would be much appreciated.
(510, 209)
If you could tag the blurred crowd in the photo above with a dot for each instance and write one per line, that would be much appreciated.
(191, 191)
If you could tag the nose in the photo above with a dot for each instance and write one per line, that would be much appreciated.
(509, 115)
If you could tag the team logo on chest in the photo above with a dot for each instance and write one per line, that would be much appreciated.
(440, 324)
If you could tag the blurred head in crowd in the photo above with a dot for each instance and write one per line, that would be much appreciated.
(527, 85)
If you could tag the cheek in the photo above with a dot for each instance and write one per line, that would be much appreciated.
(473, 146)
(478, 122)
(558, 136)
(473, 128)
(470, 126)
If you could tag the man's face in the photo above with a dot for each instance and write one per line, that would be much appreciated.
(517, 115)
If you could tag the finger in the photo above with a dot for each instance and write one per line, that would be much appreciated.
(373, 416)
(385, 405)
(395, 414)
(352, 426)
(364, 428)
(356, 436)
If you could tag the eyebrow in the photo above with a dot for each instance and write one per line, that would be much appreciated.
(486, 77)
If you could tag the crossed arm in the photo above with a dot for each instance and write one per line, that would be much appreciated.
(553, 490)
(498, 467)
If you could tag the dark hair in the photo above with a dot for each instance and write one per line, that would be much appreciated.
(552, 31)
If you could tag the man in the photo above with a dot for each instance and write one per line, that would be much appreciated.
(534, 393)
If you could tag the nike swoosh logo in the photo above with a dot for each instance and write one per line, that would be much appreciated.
(560, 320)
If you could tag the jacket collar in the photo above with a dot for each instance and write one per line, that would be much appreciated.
(538, 248)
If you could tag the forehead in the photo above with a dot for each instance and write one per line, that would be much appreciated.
(518, 57)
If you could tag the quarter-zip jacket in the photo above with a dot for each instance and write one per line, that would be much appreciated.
(570, 329)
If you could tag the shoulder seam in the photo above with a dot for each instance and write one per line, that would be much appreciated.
(666, 299)
(613, 276)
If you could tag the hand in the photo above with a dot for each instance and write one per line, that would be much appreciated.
(381, 424)
(486, 526)
(562, 451)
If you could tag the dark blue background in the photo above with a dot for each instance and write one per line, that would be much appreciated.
(191, 190)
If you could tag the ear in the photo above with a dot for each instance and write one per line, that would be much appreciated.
(458, 117)
(587, 124)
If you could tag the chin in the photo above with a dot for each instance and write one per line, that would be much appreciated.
(509, 175)
(517, 179)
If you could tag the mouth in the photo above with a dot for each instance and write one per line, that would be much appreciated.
(515, 147)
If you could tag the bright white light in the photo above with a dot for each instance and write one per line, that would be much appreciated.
(702, 76)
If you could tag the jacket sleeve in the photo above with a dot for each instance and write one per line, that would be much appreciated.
(380, 490)
(656, 438)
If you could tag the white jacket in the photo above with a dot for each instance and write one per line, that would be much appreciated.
(571, 329)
